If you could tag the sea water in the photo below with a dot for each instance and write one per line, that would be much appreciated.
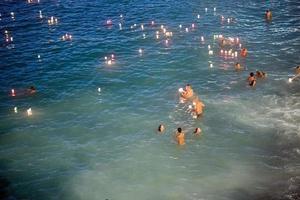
(84, 143)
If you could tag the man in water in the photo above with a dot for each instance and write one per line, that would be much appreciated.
(180, 137)
(188, 92)
(251, 79)
(198, 107)
(268, 15)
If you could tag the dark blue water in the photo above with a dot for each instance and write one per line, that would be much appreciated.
(80, 143)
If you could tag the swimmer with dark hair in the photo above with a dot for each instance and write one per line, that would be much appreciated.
(260, 74)
(161, 128)
(180, 137)
(297, 70)
(197, 131)
(31, 90)
(251, 80)
(268, 15)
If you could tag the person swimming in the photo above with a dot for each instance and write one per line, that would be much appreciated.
(297, 70)
(251, 79)
(244, 52)
(198, 107)
(31, 90)
(238, 66)
(161, 128)
(197, 131)
(180, 137)
(268, 15)
(260, 74)
(188, 93)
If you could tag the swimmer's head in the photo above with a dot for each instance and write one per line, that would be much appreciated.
(251, 74)
(188, 86)
(179, 130)
(161, 128)
(197, 130)
(32, 88)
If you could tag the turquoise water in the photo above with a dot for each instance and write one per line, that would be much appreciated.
(84, 144)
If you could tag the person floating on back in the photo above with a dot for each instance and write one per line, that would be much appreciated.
(251, 80)
(180, 137)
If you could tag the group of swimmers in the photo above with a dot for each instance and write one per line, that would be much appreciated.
(179, 136)
(187, 95)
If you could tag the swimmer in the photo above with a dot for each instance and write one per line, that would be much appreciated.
(297, 70)
(161, 128)
(31, 90)
(260, 74)
(198, 107)
(188, 92)
(197, 131)
(252, 79)
(244, 52)
(268, 15)
(238, 66)
(180, 137)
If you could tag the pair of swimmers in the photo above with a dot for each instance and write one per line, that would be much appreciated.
(180, 135)
(187, 94)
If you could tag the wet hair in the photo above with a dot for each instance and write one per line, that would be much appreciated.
(179, 130)
(32, 87)
(298, 67)
(251, 74)
(160, 127)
